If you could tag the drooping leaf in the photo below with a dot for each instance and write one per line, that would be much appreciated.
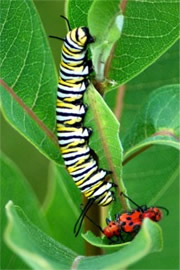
(105, 22)
(28, 77)
(104, 139)
(15, 187)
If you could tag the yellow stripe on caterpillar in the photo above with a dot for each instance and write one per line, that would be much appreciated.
(72, 99)
(61, 127)
(75, 168)
(73, 144)
(85, 178)
(75, 63)
(81, 161)
(72, 68)
(66, 51)
(61, 103)
(73, 121)
(66, 151)
(88, 193)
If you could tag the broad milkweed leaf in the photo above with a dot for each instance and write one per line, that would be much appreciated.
(14, 186)
(36, 248)
(152, 173)
(156, 130)
(157, 122)
(28, 78)
(148, 240)
(77, 12)
(150, 28)
(40, 251)
(127, 100)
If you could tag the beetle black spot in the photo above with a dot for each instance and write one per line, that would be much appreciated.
(123, 223)
(128, 218)
(131, 223)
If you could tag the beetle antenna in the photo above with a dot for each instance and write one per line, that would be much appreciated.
(122, 194)
(164, 208)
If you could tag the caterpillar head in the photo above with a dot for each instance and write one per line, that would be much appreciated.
(83, 36)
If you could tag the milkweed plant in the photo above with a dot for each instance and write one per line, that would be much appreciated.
(133, 110)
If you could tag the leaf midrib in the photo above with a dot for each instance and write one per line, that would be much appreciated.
(30, 113)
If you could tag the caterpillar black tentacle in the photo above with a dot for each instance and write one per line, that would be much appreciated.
(70, 111)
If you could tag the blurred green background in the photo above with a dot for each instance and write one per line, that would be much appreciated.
(35, 166)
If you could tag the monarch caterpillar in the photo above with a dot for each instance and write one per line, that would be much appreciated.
(70, 111)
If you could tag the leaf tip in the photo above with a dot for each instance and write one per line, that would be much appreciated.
(120, 22)
(8, 205)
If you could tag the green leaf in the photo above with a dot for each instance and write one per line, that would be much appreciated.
(152, 179)
(169, 257)
(137, 90)
(150, 28)
(105, 137)
(157, 122)
(42, 252)
(77, 12)
(101, 242)
(15, 187)
(148, 240)
(36, 248)
(105, 23)
(155, 170)
(28, 77)
(62, 207)
(148, 176)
